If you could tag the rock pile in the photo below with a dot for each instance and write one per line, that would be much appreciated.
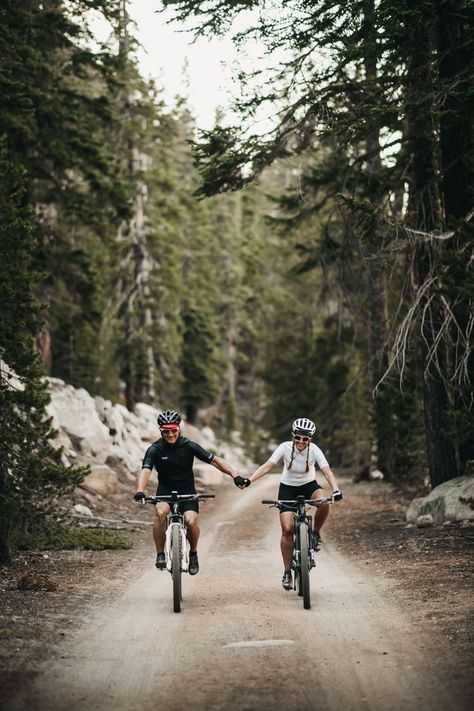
(112, 440)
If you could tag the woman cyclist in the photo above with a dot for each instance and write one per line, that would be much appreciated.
(299, 478)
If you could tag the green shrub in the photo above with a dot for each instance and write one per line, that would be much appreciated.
(72, 538)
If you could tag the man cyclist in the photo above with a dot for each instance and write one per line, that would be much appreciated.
(172, 456)
(299, 478)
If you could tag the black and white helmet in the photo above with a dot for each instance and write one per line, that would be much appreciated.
(168, 417)
(303, 426)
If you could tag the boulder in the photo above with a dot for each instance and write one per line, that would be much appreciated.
(130, 456)
(368, 473)
(123, 472)
(83, 510)
(424, 521)
(147, 415)
(235, 456)
(197, 435)
(207, 477)
(101, 480)
(74, 412)
(62, 440)
(376, 474)
(110, 416)
(9, 378)
(113, 440)
(452, 500)
(208, 436)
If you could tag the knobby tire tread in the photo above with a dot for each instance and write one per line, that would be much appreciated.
(304, 565)
(298, 588)
(176, 567)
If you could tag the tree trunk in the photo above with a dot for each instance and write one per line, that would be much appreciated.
(455, 52)
(455, 41)
(376, 287)
(143, 268)
(43, 344)
(5, 549)
(191, 413)
(428, 216)
(139, 315)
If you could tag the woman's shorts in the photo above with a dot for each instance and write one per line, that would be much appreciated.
(287, 492)
(183, 505)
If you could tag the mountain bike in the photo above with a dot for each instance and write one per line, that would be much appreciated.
(303, 540)
(176, 542)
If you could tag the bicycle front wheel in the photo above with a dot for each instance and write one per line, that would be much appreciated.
(304, 565)
(176, 567)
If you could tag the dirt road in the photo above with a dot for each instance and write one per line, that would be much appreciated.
(241, 641)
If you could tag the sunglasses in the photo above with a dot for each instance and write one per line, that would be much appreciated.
(170, 431)
(299, 438)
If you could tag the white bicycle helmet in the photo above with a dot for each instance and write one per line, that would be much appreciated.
(303, 426)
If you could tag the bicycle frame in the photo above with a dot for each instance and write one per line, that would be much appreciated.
(302, 517)
(176, 543)
(175, 518)
(303, 545)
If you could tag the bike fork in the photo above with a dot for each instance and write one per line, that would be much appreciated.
(184, 547)
(184, 551)
(168, 547)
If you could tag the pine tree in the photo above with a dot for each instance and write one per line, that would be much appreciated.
(55, 116)
(31, 470)
(388, 67)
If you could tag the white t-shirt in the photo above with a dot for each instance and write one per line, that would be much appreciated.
(297, 475)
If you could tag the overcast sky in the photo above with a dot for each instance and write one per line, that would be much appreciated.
(164, 53)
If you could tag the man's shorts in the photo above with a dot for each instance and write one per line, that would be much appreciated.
(287, 492)
(183, 505)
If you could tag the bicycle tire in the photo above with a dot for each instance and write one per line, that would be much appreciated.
(296, 568)
(304, 565)
(176, 567)
(298, 588)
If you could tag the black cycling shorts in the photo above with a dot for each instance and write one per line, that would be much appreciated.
(287, 492)
(163, 490)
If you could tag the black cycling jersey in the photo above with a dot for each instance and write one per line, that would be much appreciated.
(174, 462)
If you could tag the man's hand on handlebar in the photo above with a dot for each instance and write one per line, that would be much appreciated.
(139, 496)
(336, 495)
(241, 482)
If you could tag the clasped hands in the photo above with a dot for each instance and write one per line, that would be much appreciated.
(241, 482)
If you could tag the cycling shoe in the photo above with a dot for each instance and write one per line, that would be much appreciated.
(160, 561)
(193, 563)
(287, 580)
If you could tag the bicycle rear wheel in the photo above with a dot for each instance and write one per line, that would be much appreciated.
(176, 567)
(304, 565)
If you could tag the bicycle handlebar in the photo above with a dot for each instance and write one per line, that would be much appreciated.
(175, 497)
(295, 503)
